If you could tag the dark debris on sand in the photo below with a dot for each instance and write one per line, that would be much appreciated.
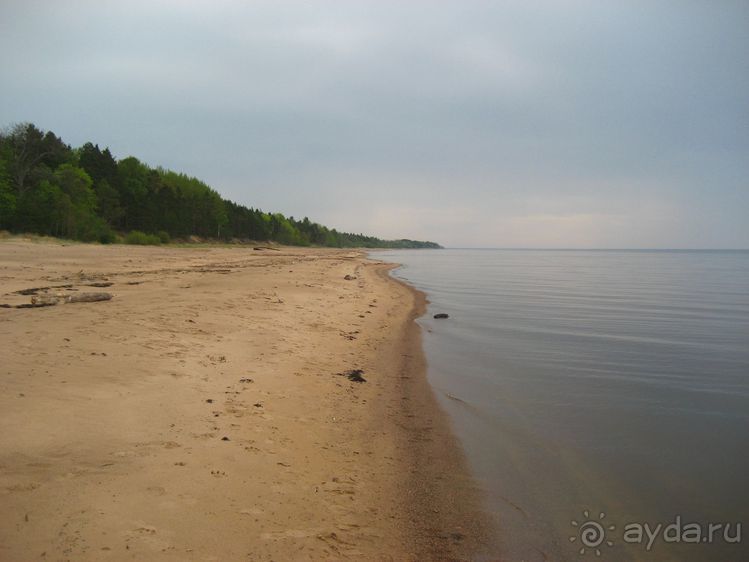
(354, 375)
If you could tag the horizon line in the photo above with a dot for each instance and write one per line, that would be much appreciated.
(594, 249)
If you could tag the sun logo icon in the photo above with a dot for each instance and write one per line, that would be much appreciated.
(592, 533)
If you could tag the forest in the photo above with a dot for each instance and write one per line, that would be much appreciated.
(85, 193)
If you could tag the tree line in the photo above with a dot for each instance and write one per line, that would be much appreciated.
(49, 188)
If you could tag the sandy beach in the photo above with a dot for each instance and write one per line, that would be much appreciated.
(204, 413)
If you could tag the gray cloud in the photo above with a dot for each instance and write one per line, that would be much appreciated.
(472, 123)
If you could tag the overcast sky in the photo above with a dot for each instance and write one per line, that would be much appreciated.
(501, 124)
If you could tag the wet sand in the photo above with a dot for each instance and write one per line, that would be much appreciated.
(204, 413)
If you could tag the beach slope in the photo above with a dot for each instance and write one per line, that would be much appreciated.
(226, 404)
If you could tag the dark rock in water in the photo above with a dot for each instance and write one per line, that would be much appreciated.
(354, 375)
(441, 315)
(224, 439)
(349, 277)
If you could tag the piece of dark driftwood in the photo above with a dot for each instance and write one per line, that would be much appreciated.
(35, 290)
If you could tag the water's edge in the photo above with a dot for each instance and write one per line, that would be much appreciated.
(445, 505)
(607, 382)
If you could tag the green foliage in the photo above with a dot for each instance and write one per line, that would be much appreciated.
(107, 235)
(41, 210)
(86, 194)
(108, 203)
(31, 155)
(141, 238)
(7, 197)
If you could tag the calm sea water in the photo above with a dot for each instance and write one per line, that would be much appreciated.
(606, 382)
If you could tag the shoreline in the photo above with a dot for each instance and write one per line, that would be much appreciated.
(445, 506)
(200, 414)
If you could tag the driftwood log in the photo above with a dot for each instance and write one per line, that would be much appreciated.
(49, 300)
(35, 290)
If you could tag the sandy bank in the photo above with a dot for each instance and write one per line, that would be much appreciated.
(201, 414)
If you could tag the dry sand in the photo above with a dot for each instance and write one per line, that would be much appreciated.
(200, 414)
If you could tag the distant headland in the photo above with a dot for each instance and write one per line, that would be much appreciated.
(85, 193)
